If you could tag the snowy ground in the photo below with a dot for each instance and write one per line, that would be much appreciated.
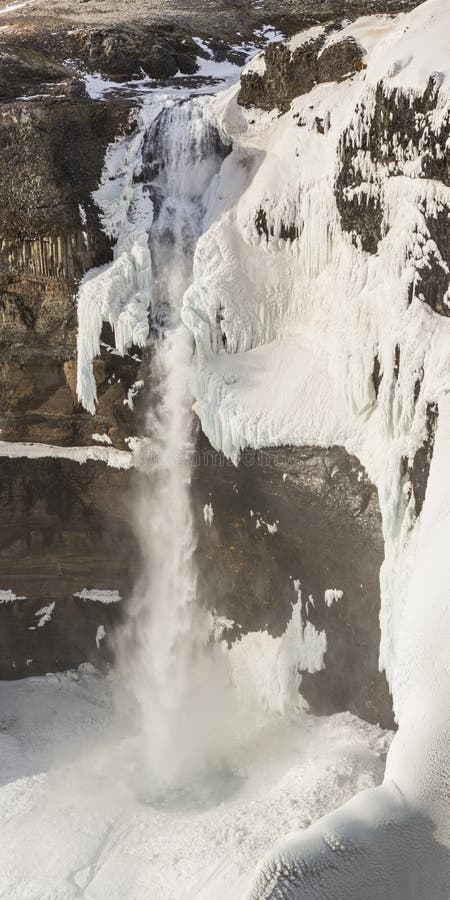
(72, 825)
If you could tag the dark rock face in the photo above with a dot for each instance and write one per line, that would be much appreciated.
(328, 536)
(432, 281)
(419, 468)
(27, 68)
(291, 73)
(64, 527)
(129, 51)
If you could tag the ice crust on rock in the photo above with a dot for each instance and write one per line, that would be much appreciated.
(45, 614)
(332, 595)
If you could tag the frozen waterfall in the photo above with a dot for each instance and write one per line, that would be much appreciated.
(168, 658)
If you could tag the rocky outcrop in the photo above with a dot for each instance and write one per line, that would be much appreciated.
(24, 69)
(289, 73)
(399, 134)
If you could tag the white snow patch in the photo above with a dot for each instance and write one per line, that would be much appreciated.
(132, 393)
(12, 7)
(257, 65)
(99, 596)
(98, 87)
(311, 34)
(9, 596)
(44, 614)
(332, 595)
(102, 438)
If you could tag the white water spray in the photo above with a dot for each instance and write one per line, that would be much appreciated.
(176, 672)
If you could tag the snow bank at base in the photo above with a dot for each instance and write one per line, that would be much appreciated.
(72, 825)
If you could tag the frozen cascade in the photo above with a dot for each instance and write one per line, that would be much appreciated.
(168, 658)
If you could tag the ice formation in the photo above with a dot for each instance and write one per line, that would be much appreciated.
(331, 595)
(118, 292)
(287, 330)
(266, 671)
(44, 614)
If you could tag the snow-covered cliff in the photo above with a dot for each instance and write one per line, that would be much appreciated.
(303, 336)
(320, 313)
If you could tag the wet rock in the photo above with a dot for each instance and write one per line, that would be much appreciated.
(63, 527)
